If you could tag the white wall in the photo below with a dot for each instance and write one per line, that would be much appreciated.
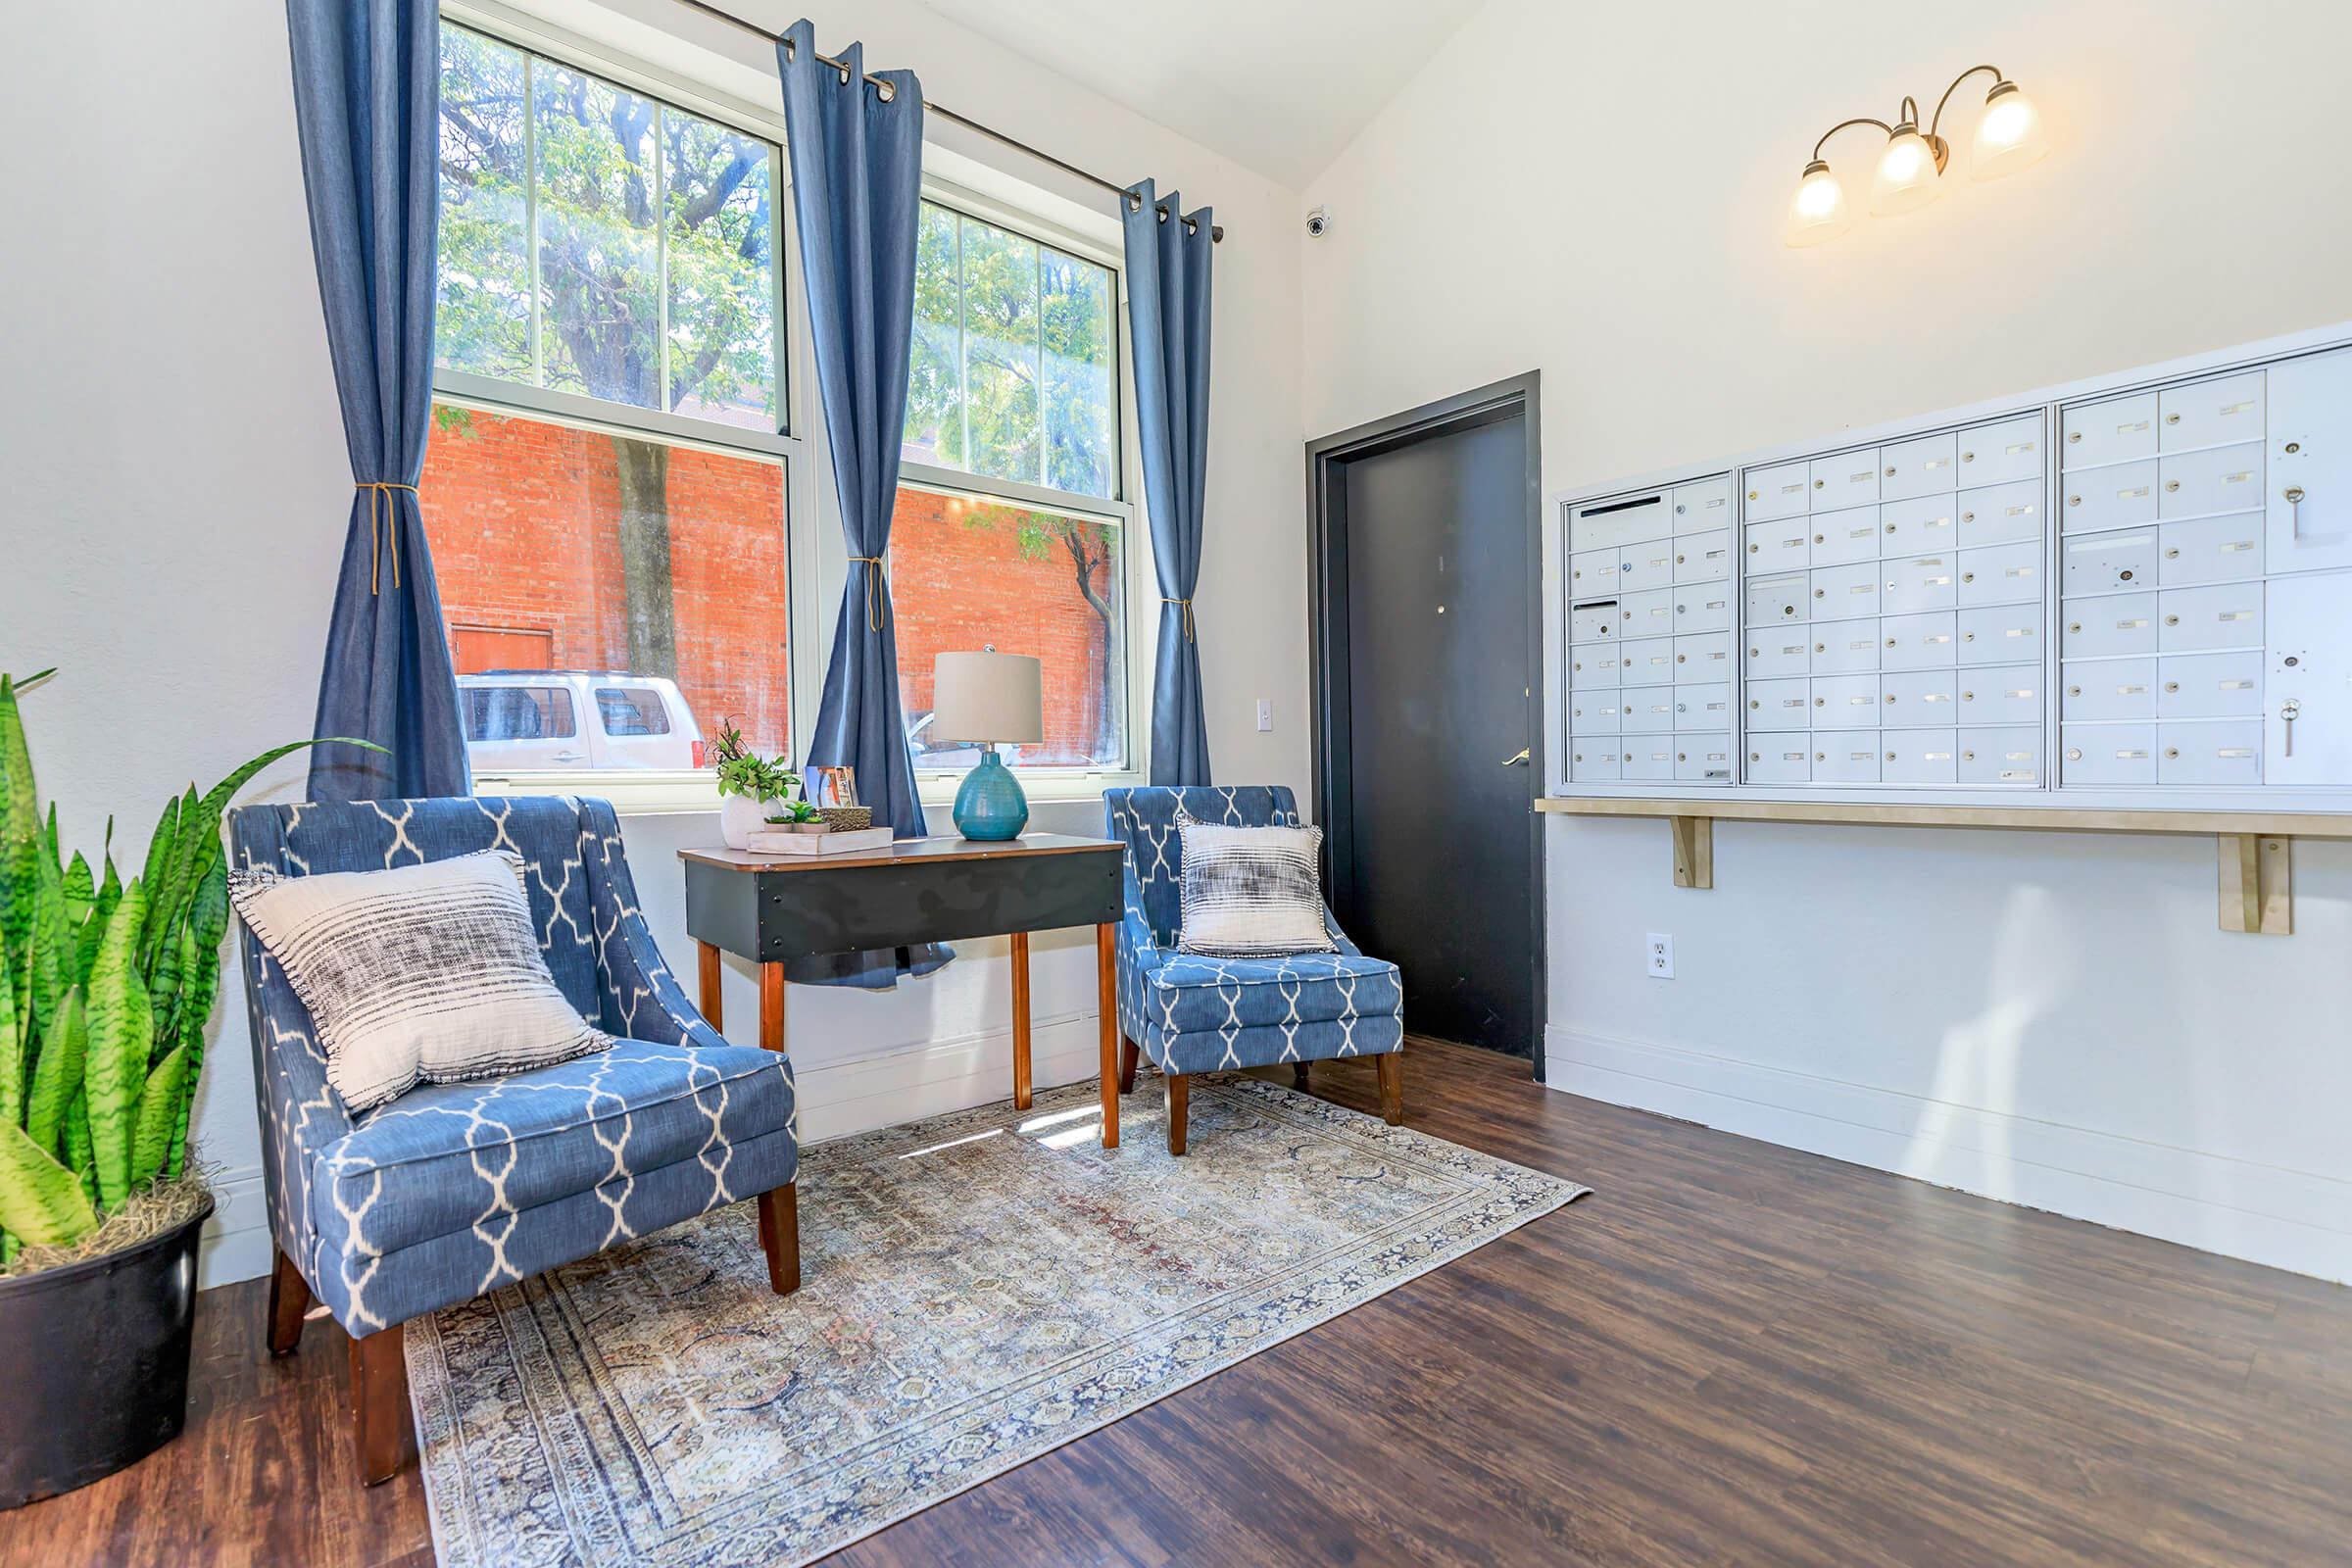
(177, 485)
(1596, 191)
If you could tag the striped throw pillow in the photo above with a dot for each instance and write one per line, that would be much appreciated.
(1251, 892)
(425, 974)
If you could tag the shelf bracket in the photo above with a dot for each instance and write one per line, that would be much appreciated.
(2257, 882)
(1694, 850)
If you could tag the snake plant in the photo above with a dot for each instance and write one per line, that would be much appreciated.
(104, 990)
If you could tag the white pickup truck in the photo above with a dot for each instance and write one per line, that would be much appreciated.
(533, 720)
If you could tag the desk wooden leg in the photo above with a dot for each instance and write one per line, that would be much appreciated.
(771, 1006)
(1020, 1021)
(708, 976)
(1107, 1002)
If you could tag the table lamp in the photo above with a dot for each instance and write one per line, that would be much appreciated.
(989, 698)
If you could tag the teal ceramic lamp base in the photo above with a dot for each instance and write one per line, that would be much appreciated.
(990, 805)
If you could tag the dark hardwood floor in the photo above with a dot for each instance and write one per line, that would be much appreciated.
(1731, 1353)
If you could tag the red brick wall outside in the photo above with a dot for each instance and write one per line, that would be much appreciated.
(524, 522)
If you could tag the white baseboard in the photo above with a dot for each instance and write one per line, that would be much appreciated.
(2263, 1213)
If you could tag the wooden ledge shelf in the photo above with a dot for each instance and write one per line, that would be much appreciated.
(2255, 850)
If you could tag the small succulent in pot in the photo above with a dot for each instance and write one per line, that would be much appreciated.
(798, 816)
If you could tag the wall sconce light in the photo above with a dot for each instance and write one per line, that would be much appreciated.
(1910, 168)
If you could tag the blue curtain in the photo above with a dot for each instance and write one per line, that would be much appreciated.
(857, 189)
(1168, 252)
(366, 78)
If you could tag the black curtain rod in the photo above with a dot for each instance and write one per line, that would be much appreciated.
(1216, 232)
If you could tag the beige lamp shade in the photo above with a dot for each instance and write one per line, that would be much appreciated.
(988, 697)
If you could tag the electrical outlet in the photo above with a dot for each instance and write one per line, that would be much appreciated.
(1265, 714)
(1657, 957)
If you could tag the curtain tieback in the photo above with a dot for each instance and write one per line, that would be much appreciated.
(381, 527)
(878, 597)
(1188, 615)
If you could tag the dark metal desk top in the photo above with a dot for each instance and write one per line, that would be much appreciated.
(904, 852)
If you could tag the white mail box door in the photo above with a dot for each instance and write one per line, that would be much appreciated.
(1919, 528)
(1915, 697)
(2210, 685)
(2227, 752)
(1703, 707)
(2308, 494)
(1609, 524)
(1845, 702)
(2115, 431)
(2094, 628)
(2001, 758)
(2196, 484)
(1645, 565)
(1779, 759)
(1646, 661)
(2309, 675)
(1841, 593)
(2119, 497)
(1593, 572)
(2001, 694)
(1702, 606)
(2001, 574)
(1778, 704)
(2211, 550)
(1845, 647)
(2211, 413)
(1649, 710)
(1781, 491)
(1646, 615)
(1703, 657)
(1917, 468)
(1841, 538)
(2110, 688)
(1594, 760)
(2107, 754)
(1777, 652)
(1777, 602)
(1995, 454)
(2103, 562)
(1593, 665)
(1845, 758)
(1599, 712)
(1592, 622)
(1919, 756)
(1703, 760)
(1703, 557)
(1920, 583)
(2001, 513)
(1783, 544)
(1930, 641)
(1850, 479)
(2000, 634)
(1703, 504)
(2193, 619)
(1648, 757)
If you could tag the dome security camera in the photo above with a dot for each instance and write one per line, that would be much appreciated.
(1318, 222)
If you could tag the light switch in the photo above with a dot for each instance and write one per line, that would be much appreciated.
(1265, 714)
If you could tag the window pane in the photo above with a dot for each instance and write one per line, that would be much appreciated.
(722, 281)
(599, 283)
(484, 320)
(610, 554)
(999, 353)
(968, 574)
(934, 379)
(1080, 405)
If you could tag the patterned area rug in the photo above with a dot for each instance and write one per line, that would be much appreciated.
(979, 1288)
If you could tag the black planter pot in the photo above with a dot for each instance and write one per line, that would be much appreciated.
(94, 1358)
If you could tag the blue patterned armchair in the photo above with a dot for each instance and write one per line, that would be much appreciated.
(453, 1189)
(1190, 1013)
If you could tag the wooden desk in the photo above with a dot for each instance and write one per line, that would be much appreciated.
(768, 908)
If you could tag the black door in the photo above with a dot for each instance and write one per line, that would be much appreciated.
(1428, 731)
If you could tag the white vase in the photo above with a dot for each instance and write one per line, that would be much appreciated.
(740, 816)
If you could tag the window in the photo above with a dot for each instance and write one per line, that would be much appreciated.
(1010, 532)
(605, 478)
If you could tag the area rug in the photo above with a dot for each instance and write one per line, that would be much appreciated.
(979, 1288)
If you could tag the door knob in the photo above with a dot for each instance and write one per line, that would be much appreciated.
(1516, 762)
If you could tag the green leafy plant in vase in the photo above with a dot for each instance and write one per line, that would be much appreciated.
(749, 786)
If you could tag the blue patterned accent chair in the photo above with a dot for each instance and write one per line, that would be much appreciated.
(1190, 1013)
(453, 1189)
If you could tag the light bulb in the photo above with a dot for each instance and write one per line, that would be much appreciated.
(1907, 173)
(2009, 136)
(1819, 209)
